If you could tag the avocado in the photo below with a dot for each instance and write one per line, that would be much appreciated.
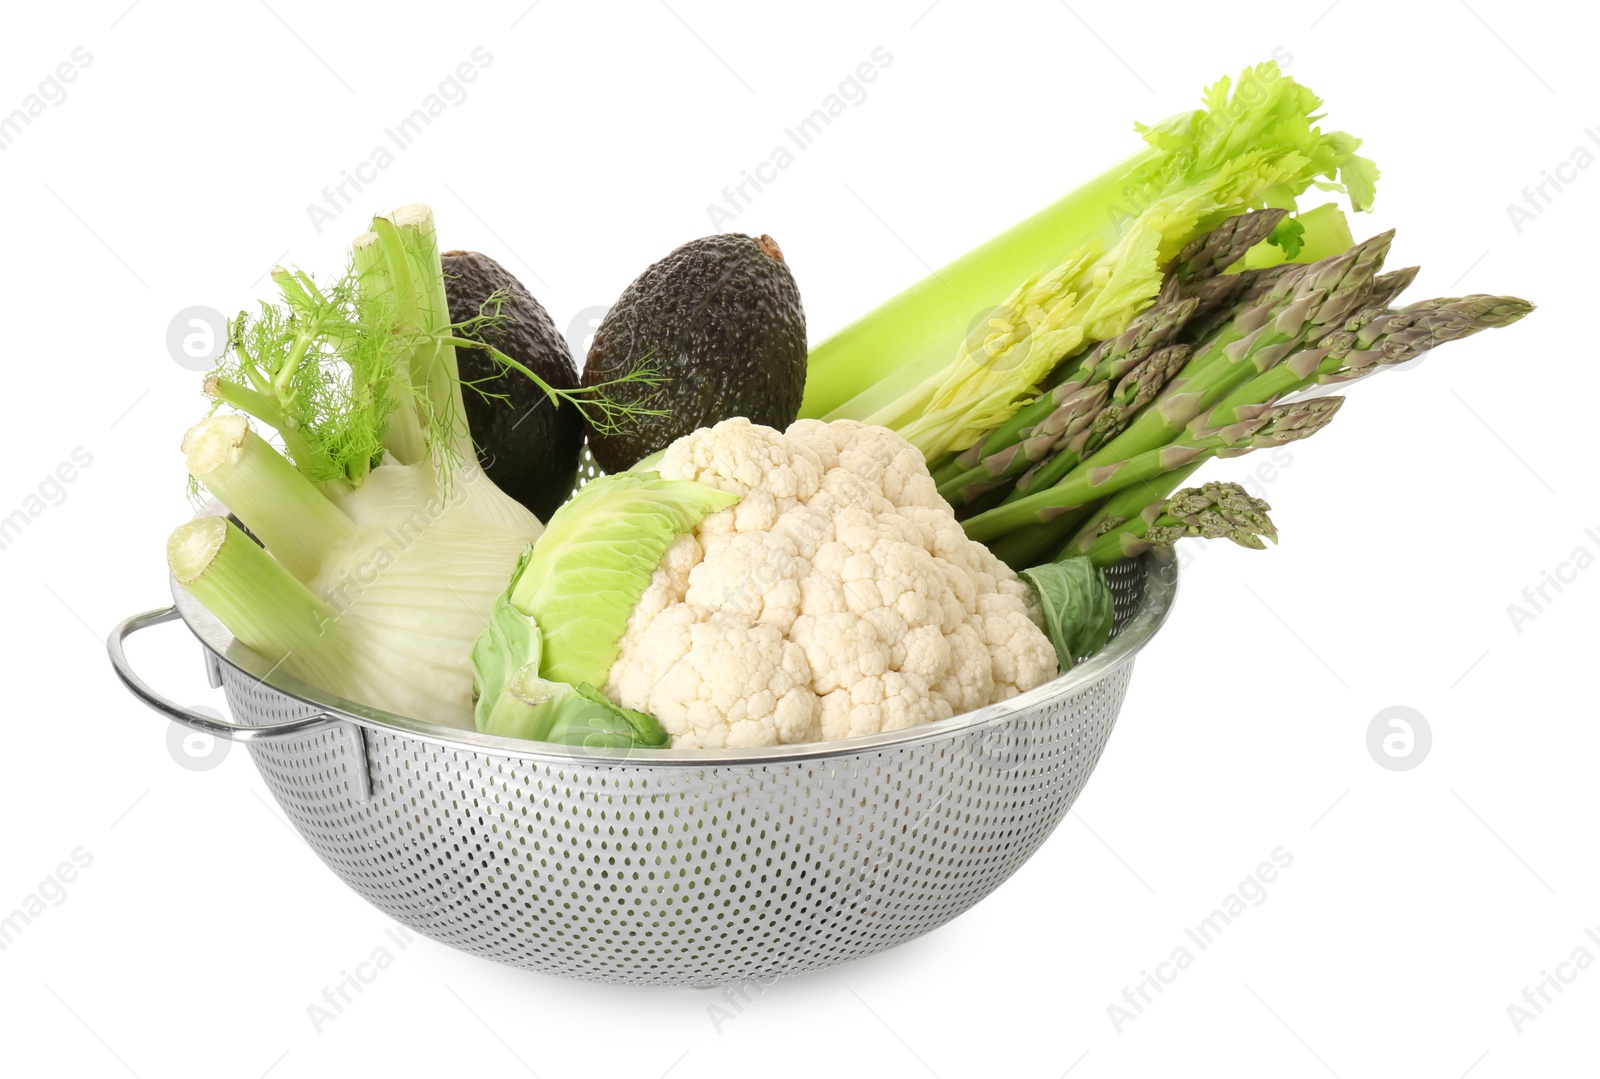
(721, 321)
(529, 447)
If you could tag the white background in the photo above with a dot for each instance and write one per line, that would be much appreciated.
(1419, 903)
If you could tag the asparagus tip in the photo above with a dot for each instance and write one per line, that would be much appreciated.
(1388, 286)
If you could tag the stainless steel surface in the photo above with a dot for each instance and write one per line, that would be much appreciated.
(116, 645)
(678, 867)
(356, 780)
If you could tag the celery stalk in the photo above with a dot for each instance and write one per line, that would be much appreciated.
(1320, 232)
(917, 329)
(954, 355)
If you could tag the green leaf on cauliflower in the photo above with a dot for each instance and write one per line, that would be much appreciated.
(1078, 607)
(511, 641)
(606, 723)
(541, 710)
(585, 574)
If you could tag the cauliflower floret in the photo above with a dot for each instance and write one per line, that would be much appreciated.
(875, 455)
(739, 457)
(668, 585)
(1023, 657)
(754, 573)
(839, 597)
(725, 682)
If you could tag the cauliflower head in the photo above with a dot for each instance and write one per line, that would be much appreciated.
(838, 597)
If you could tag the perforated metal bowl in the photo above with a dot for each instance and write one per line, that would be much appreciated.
(671, 867)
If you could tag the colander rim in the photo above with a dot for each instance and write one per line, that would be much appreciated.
(1160, 584)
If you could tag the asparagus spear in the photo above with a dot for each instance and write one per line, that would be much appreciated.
(1036, 429)
(1213, 511)
(1211, 254)
(1217, 298)
(1301, 303)
(1276, 333)
(1231, 294)
(1200, 268)
(1063, 381)
(1195, 281)
(1373, 338)
(1388, 286)
(1137, 389)
(1033, 543)
(1078, 407)
(1369, 338)
(1120, 508)
(1047, 538)
(1221, 296)
(1275, 426)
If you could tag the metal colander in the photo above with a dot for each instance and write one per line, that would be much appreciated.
(667, 867)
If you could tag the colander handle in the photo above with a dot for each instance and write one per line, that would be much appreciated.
(217, 728)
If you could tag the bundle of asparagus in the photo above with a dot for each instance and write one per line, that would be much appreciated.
(1217, 366)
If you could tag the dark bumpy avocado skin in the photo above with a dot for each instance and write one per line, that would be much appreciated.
(530, 448)
(721, 318)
